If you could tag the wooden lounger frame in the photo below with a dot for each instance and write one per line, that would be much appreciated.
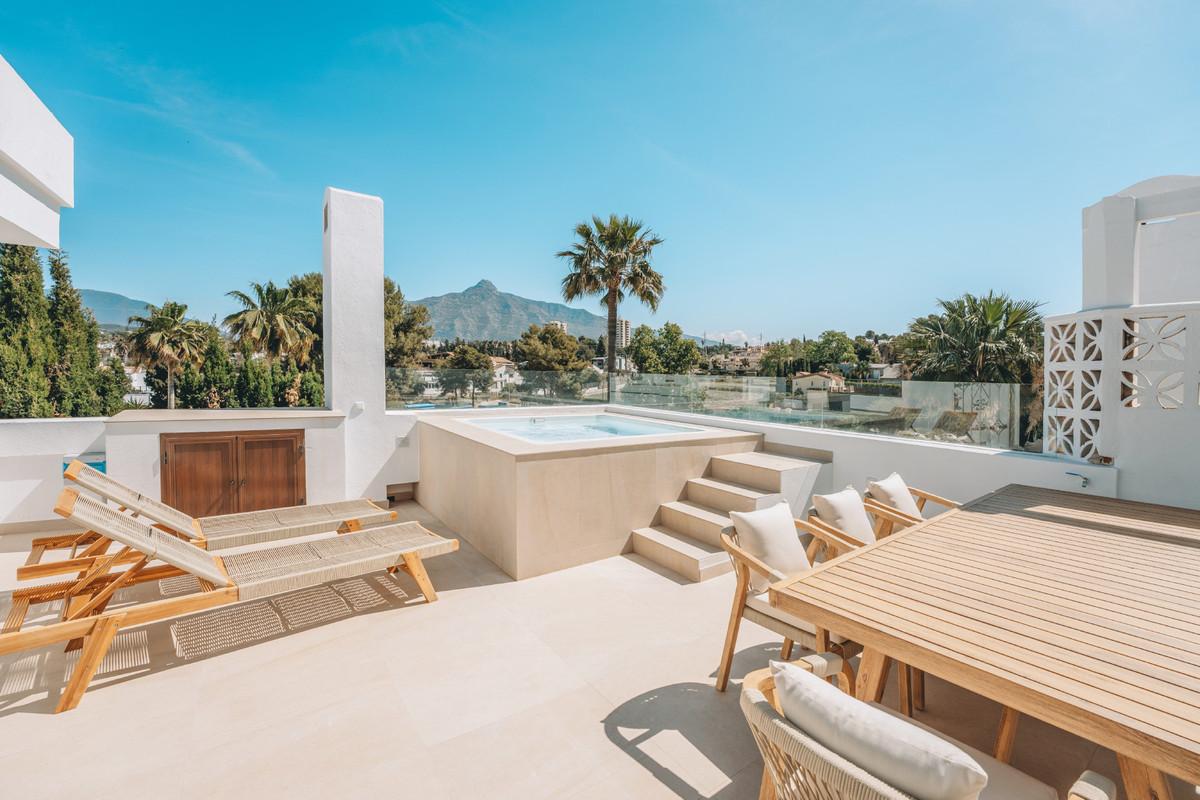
(35, 568)
(85, 621)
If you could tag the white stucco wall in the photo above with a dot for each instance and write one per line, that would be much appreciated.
(960, 472)
(354, 353)
(31, 463)
(37, 165)
(132, 445)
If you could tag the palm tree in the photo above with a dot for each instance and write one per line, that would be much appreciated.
(166, 338)
(612, 259)
(276, 321)
(989, 339)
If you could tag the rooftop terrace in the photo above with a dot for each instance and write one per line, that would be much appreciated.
(590, 682)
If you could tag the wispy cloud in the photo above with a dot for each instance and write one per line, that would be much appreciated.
(428, 38)
(183, 101)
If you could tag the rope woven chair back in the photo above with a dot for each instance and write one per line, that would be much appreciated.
(96, 481)
(105, 520)
(800, 767)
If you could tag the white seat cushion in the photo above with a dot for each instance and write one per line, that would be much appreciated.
(905, 756)
(769, 535)
(893, 491)
(845, 511)
(1005, 782)
(762, 604)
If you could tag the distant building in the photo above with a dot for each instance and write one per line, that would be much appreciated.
(556, 323)
(822, 381)
(622, 334)
(885, 372)
(505, 373)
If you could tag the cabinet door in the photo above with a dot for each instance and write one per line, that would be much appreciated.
(271, 469)
(199, 473)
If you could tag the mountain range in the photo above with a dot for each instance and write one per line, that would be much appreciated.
(480, 312)
(485, 312)
(112, 310)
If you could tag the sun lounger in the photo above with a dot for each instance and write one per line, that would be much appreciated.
(223, 580)
(215, 533)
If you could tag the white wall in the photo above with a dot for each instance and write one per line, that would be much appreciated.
(37, 165)
(132, 445)
(960, 472)
(353, 329)
(31, 464)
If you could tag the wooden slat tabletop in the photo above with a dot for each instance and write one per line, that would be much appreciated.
(1079, 610)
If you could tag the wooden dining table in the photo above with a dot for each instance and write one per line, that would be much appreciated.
(1078, 610)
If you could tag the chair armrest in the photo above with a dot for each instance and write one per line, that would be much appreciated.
(831, 536)
(1093, 786)
(823, 665)
(933, 498)
(889, 514)
(747, 560)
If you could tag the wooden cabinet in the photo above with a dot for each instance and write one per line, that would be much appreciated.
(224, 472)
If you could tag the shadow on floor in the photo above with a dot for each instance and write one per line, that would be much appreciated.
(710, 722)
(164, 645)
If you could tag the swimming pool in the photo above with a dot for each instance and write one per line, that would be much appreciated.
(577, 427)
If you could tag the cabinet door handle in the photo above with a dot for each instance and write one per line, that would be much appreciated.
(243, 483)
(231, 483)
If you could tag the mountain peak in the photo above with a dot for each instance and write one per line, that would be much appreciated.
(485, 285)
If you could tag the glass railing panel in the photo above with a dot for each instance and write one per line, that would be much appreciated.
(417, 388)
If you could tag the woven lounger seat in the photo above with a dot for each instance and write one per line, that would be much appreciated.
(234, 530)
(233, 578)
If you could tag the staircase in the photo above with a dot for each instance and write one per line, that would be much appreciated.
(686, 534)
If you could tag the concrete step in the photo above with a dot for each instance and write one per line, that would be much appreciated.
(792, 476)
(694, 520)
(681, 554)
(759, 470)
(726, 496)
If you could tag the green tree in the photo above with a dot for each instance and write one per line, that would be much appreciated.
(406, 327)
(73, 375)
(643, 350)
(467, 369)
(550, 361)
(665, 351)
(831, 349)
(166, 339)
(112, 384)
(275, 321)
(611, 259)
(28, 350)
(310, 287)
(777, 360)
(254, 387)
(990, 339)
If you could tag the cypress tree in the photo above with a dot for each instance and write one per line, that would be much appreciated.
(112, 384)
(74, 374)
(29, 350)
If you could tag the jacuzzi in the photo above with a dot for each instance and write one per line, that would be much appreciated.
(541, 492)
(563, 428)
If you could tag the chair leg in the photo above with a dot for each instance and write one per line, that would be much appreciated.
(95, 647)
(918, 689)
(785, 653)
(735, 622)
(414, 567)
(904, 688)
(766, 790)
(846, 677)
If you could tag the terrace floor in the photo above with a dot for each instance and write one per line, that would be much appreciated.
(592, 682)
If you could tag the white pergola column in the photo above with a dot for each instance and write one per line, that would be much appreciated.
(353, 335)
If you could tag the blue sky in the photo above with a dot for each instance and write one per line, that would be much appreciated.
(810, 165)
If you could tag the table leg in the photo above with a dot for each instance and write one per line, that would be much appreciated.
(872, 675)
(1143, 782)
(904, 688)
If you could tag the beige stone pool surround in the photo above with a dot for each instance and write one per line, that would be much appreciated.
(537, 507)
